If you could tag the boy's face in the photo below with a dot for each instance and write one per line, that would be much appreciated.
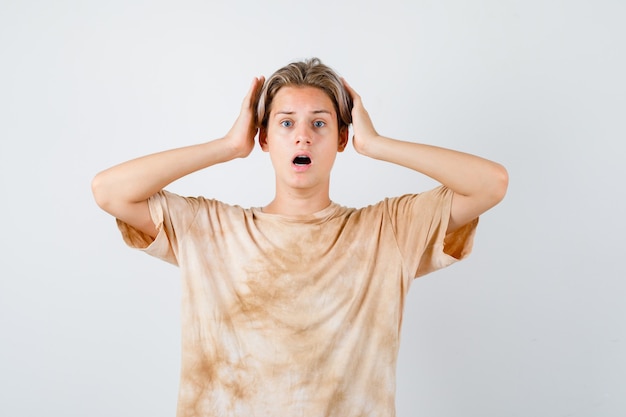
(302, 136)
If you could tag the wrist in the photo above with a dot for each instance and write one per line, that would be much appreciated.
(223, 149)
(369, 146)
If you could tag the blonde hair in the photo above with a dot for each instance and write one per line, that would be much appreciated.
(308, 73)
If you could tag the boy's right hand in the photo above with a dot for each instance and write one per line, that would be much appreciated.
(241, 136)
(123, 190)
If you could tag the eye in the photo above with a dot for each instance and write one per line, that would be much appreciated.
(286, 123)
(319, 123)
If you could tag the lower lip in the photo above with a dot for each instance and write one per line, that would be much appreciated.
(301, 168)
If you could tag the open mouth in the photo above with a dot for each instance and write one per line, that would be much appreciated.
(301, 160)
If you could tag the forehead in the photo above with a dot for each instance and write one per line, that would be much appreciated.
(297, 98)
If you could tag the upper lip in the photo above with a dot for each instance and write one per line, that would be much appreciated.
(301, 153)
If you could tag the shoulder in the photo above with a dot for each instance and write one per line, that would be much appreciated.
(431, 197)
(177, 201)
(435, 198)
(183, 211)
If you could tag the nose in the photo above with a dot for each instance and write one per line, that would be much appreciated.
(303, 135)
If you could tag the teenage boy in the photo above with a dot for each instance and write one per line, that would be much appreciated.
(295, 308)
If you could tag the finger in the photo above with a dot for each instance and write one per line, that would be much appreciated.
(356, 98)
(253, 92)
(259, 86)
(351, 90)
(248, 97)
(260, 82)
(252, 88)
(347, 86)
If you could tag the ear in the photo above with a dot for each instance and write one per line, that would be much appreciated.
(343, 138)
(263, 138)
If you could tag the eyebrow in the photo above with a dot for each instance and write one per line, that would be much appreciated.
(293, 112)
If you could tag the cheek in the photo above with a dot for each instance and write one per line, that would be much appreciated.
(277, 135)
(277, 151)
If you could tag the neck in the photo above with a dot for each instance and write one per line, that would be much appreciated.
(298, 203)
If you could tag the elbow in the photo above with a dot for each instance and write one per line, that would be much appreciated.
(500, 183)
(98, 190)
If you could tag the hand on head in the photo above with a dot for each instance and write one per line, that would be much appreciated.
(241, 135)
(364, 132)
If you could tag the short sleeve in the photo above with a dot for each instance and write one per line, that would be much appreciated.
(172, 216)
(420, 222)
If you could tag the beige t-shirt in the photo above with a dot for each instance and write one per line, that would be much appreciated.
(296, 316)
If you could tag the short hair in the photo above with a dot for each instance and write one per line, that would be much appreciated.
(308, 73)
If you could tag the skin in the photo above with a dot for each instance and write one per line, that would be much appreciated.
(302, 120)
(478, 184)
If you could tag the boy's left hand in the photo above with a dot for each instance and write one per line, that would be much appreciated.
(364, 133)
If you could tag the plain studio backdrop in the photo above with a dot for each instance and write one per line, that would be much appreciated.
(533, 324)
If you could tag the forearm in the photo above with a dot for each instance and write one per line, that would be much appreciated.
(477, 183)
(136, 180)
(465, 174)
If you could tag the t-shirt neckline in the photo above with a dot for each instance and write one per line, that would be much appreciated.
(315, 217)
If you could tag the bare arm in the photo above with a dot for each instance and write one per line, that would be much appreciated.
(478, 184)
(123, 190)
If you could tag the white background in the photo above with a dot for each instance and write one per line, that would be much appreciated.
(533, 324)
